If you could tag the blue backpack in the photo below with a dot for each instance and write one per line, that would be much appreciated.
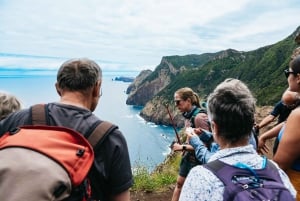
(243, 183)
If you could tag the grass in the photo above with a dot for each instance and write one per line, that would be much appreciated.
(163, 176)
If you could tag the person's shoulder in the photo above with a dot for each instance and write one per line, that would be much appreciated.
(14, 120)
(201, 110)
(18, 115)
(200, 171)
(114, 135)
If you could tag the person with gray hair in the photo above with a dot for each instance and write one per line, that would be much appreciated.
(231, 108)
(8, 104)
(79, 87)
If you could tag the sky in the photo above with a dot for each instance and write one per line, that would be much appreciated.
(136, 34)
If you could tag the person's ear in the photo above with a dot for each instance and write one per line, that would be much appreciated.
(57, 89)
(97, 89)
(214, 128)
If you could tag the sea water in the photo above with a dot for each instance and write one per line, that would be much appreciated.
(148, 143)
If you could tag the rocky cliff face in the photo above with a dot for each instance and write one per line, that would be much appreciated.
(156, 111)
(146, 86)
(148, 83)
(137, 81)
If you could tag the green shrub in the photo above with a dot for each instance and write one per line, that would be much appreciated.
(163, 176)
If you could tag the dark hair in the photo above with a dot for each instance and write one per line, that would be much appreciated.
(295, 64)
(232, 106)
(78, 74)
(186, 92)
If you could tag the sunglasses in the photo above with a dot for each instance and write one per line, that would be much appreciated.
(177, 102)
(287, 73)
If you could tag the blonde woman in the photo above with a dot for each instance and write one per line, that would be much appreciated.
(188, 103)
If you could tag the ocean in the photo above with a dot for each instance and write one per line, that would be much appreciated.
(148, 143)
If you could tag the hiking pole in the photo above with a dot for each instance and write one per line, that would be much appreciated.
(173, 124)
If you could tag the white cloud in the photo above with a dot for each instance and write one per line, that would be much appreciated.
(136, 34)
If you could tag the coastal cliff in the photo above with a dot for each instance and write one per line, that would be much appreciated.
(261, 69)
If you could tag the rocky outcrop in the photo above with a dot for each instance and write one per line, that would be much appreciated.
(149, 84)
(137, 81)
(156, 111)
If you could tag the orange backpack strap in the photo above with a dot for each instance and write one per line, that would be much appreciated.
(38, 114)
(103, 129)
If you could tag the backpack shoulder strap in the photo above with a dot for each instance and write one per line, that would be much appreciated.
(102, 130)
(215, 167)
(225, 173)
(38, 114)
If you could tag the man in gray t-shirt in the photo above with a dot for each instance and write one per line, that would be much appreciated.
(79, 86)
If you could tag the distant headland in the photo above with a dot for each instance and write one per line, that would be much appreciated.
(124, 79)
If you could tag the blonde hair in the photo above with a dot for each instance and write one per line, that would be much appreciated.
(8, 104)
(186, 93)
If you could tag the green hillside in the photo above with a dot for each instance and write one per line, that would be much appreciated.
(261, 69)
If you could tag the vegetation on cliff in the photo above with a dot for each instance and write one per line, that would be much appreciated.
(261, 69)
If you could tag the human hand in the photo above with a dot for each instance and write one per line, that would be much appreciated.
(189, 133)
(261, 146)
(198, 131)
(177, 147)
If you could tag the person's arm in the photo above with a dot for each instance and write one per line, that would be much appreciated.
(201, 151)
(288, 150)
(268, 119)
(124, 196)
(118, 168)
(273, 132)
(182, 147)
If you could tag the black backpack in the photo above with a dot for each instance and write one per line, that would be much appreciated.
(247, 184)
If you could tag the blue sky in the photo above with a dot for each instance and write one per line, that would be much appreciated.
(136, 34)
